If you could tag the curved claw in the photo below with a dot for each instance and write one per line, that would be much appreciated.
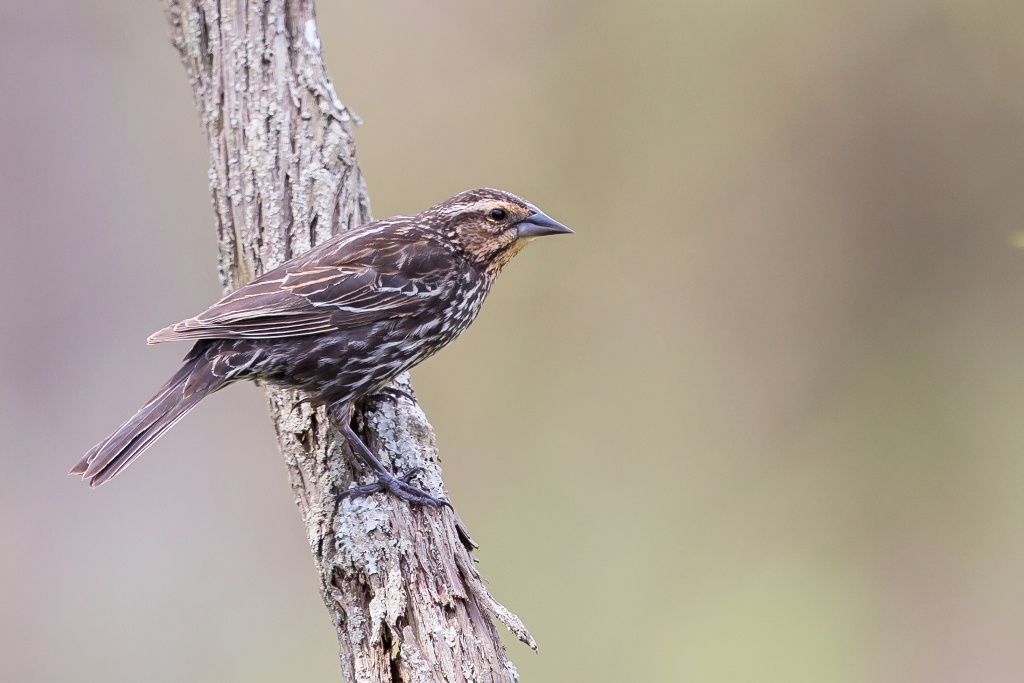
(409, 475)
(389, 393)
(403, 489)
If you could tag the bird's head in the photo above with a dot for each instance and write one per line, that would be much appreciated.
(491, 226)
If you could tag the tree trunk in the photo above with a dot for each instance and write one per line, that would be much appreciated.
(399, 582)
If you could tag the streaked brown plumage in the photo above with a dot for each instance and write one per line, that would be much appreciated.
(341, 320)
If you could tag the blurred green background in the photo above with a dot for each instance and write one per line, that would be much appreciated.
(759, 420)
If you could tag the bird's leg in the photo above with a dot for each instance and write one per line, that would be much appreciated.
(386, 481)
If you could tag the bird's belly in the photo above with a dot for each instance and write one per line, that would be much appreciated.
(344, 365)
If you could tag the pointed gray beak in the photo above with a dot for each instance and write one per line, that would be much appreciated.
(539, 224)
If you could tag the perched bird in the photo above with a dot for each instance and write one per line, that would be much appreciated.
(341, 321)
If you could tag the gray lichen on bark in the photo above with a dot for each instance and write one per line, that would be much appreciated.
(399, 583)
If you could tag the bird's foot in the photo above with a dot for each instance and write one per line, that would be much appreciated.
(398, 486)
(389, 393)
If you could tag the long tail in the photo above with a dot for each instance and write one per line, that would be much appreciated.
(183, 391)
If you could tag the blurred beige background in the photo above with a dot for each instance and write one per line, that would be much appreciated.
(759, 420)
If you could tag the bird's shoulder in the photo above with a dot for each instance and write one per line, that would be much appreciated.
(393, 254)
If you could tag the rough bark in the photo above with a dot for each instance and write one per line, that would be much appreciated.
(399, 582)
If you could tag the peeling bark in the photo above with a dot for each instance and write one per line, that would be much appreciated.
(399, 582)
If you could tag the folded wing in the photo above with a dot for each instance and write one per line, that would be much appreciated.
(346, 282)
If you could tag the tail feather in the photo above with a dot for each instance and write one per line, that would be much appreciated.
(179, 395)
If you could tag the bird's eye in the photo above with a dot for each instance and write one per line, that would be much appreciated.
(497, 215)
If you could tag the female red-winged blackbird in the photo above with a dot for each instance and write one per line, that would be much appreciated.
(341, 321)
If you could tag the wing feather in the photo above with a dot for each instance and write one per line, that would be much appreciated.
(348, 281)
